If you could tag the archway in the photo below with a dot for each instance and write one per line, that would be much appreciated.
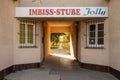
(62, 48)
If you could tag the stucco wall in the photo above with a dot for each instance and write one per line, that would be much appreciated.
(89, 55)
(85, 55)
(6, 33)
(28, 55)
(114, 28)
(10, 53)
(33, 55)
(62, 3)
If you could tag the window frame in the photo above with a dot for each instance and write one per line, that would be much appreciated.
(26, 44)
(96, 45)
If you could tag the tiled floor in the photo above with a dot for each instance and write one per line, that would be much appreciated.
(60, 69)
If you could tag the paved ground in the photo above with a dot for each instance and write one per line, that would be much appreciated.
(61, 51)
(60, 69)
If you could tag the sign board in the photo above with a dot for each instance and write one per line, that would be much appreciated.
(61, 12)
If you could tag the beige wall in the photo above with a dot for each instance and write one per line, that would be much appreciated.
(73, 38)
(6, 33)
(93, 56)
(28, 55)
(63, 3)
(11, 54)
(114, 30)
(47, 39)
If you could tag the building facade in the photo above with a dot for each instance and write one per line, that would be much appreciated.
(95, 39)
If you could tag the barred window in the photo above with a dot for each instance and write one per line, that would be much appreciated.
(27, 34)
(95, 34)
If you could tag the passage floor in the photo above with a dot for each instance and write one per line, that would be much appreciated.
(59, 69)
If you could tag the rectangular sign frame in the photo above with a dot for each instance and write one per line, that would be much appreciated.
(61, 12)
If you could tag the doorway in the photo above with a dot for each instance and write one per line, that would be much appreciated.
(60, 39)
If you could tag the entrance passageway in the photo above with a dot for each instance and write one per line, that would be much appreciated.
(60, 39)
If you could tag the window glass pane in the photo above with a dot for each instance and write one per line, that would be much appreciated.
(92, 27)
(22, 33)
(100, 33)
(30, 40)
(91, 40)
(30, 27)
(92, 34)
(100, 40)
(22, 27)
(101, 26)
(30, 34)
(22, 40)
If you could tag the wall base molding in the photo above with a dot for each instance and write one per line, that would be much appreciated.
(101, 68)
(6, 72)
(19, 67)
(115, 72)
(95, 67)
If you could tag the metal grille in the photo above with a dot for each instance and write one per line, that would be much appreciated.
(27, 33)
(95, 33)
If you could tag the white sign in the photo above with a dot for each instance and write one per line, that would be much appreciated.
(45, 12)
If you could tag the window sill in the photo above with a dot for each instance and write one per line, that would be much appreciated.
(94, 47)
(27, 46)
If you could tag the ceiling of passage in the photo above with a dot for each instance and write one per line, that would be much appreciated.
(60, 23)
